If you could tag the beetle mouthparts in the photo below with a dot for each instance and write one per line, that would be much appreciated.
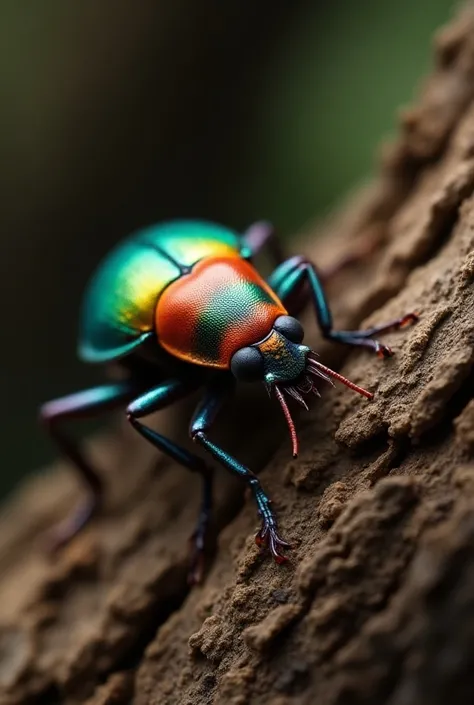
(306, 385)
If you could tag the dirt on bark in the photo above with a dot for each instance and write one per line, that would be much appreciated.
(377, 603)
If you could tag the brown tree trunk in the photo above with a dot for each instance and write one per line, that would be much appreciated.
(377, 604)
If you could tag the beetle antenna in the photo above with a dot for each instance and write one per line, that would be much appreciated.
(322, 371)
(313, 368)
(289, 420)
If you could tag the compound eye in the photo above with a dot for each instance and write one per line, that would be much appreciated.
(290, 328)
(247, 365)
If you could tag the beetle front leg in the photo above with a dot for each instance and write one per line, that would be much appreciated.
(75, 406)
(148, 403)
(296, 281)
(201, 423)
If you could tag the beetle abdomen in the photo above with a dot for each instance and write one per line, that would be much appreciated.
(220, 306)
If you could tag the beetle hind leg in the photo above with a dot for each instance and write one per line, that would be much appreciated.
(197, 541)
(61, 534)
(75, 406)
(261, 236)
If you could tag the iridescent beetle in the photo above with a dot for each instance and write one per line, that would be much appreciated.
(180, 306)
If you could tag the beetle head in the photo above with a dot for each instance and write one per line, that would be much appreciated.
(277, 359)
(286, 367)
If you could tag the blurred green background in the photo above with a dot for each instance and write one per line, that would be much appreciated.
(117, 114)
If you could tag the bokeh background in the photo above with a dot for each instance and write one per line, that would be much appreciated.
(116, 114)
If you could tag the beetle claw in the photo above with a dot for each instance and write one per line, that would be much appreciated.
(383, 351)
(268, 537)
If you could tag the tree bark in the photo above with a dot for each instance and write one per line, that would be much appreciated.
(377, 603)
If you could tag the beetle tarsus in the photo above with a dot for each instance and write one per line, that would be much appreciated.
(268, 537)
(365, 338)
(383, 351)
(408, 319)
(396, 324)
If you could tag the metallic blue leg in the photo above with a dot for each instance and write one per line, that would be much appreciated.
(200, 425)
(75, 406)
(290, 284)
(151, 401)
(296, 280)
(262, 235)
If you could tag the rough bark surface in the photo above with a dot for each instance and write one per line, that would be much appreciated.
(377, 604)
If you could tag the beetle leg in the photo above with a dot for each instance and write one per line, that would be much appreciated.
(201, 423)
(153, 400)
(262, 235)
(75, 406)
(290, 285)
(296, 281)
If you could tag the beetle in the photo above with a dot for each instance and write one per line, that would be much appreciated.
(181, 306)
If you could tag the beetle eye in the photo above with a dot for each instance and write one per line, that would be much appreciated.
(290, 328)
(247, 365)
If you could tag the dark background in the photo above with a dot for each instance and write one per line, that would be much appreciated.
(117, 114)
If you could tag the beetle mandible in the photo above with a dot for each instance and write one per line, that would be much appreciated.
(181, 306)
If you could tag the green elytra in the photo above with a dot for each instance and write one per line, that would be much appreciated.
(117, 324)
(119, 305)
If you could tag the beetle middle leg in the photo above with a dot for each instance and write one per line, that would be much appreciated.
(296, 280)
(201, 423)
(151, 401)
